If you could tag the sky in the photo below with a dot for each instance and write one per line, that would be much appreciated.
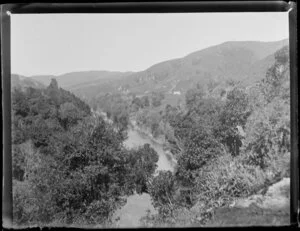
(54, 44)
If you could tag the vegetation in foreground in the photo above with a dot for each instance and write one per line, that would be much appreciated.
(227, 148)
(71, 168)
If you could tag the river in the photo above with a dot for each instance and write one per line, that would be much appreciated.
(137, 205)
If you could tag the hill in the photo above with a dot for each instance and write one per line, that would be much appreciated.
(230, 60)
(19, 81)
(73, 79)
(240, 61)
(244, 61)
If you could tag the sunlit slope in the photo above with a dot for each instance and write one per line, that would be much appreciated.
(245, 61)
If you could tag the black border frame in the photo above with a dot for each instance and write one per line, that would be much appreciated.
(145, 7)
(149, 7)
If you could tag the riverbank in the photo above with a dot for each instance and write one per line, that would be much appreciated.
(158, 141)
(133, 125)
(137, 205)
(146, 137)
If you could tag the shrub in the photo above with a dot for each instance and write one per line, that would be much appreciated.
(220, 182)
(23, 207)
(234, 113)
(161, 190)
(143, 162)
(267, 133)
(199, 149)
(276, 81)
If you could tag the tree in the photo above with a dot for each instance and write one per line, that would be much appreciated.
(145, 101)
(206, 112)
(143, 162)
(170, 113)
(33, 197)
(156, 98)
(53, 92)
(268, 133)
(69, 114)
(203, 112)
(20, 103)
(161, 190)
(137, 104)
(193, 95)
(268, 128)
(116, 108)
(120, 116)
(276, 82)
(18, 160)
(235, 113)
(76, 167)
(199, 149)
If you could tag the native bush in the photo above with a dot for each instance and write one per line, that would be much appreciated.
(200, 148)
(276, 82)
(69, 166)
(223, 180)
(234, 113)
(267, 133)
(143, 162)
(161, 190)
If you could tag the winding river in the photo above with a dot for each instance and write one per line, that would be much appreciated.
(137, 205)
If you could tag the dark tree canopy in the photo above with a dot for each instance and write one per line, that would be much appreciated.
(69, 166)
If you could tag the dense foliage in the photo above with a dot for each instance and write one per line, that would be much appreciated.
(116, 107)
(227, 147)
(70, 167)
(143, 165)
(120, 107)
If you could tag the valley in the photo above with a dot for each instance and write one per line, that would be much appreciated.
(189, 139)
(245, 62)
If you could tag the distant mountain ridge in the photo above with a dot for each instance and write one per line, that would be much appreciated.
(68, 80)
(19, 81)
(244, 61)
(241, 61)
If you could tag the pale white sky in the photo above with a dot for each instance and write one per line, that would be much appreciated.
(60, 43)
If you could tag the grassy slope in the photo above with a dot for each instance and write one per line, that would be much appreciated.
(271, 209)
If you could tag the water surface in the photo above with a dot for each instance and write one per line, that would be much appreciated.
(137, 205)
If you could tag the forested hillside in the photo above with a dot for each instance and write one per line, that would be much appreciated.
(231, 140)
(18, 81)
(70, 166)
(227, 148)
(244, 61)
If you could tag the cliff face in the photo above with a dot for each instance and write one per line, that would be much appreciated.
(270, 209)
